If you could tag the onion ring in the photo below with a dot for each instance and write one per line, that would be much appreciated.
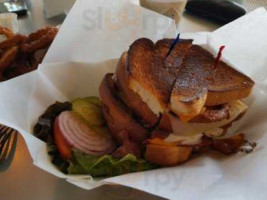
(40, 33)
(17, 39)
(20, 54)
(6, 32)
(39, 39)
(8, 57)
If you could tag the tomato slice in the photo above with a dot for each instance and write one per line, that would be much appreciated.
(61, 143)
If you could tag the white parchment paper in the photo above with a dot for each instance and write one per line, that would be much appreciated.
(239, 177)
(102, 29)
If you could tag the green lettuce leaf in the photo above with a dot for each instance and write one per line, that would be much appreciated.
(106, 165)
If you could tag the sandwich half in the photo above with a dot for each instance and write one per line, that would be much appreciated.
(170, 103)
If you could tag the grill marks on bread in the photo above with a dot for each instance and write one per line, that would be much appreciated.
(198, 84)
(152, 72)
(185, 81)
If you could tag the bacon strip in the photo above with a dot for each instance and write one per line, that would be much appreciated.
(226, 146)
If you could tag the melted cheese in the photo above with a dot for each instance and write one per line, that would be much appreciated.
(187, 129)
(184, 140)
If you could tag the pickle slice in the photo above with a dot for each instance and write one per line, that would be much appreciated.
(89, 109)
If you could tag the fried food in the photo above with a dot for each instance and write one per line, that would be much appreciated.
(39, 39)
(117, 115)
(20, 54)
(17, 70)
(8, 57)
(15, 40)
(6, 32)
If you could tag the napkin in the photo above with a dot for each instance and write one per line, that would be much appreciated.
(210, 176)
(103, 29)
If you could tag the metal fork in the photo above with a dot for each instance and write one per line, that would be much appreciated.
(8, 138)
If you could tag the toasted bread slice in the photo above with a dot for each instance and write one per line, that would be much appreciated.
(199, 84)
(117, 115)
(151, 74)
(130, 98)
(167, 155)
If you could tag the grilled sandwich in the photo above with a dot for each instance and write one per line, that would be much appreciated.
(181, 95)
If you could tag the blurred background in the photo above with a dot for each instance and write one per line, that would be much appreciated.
(53, 12)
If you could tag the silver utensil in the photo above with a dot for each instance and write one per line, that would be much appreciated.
(8, 138)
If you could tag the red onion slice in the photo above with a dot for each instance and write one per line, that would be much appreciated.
(82, 137)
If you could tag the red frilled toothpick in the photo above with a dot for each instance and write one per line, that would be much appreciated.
(219, 56)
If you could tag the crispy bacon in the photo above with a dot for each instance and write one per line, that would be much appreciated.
(127, 147)
(213, 114)
(117, 115)
(226, 146)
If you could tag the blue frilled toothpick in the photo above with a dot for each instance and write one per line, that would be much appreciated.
(174, 42)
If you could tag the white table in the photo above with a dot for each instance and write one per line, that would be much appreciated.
(21, 180)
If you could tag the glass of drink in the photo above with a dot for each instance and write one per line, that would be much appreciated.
(170, 8)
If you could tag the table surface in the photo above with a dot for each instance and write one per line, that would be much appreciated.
(21, 180)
